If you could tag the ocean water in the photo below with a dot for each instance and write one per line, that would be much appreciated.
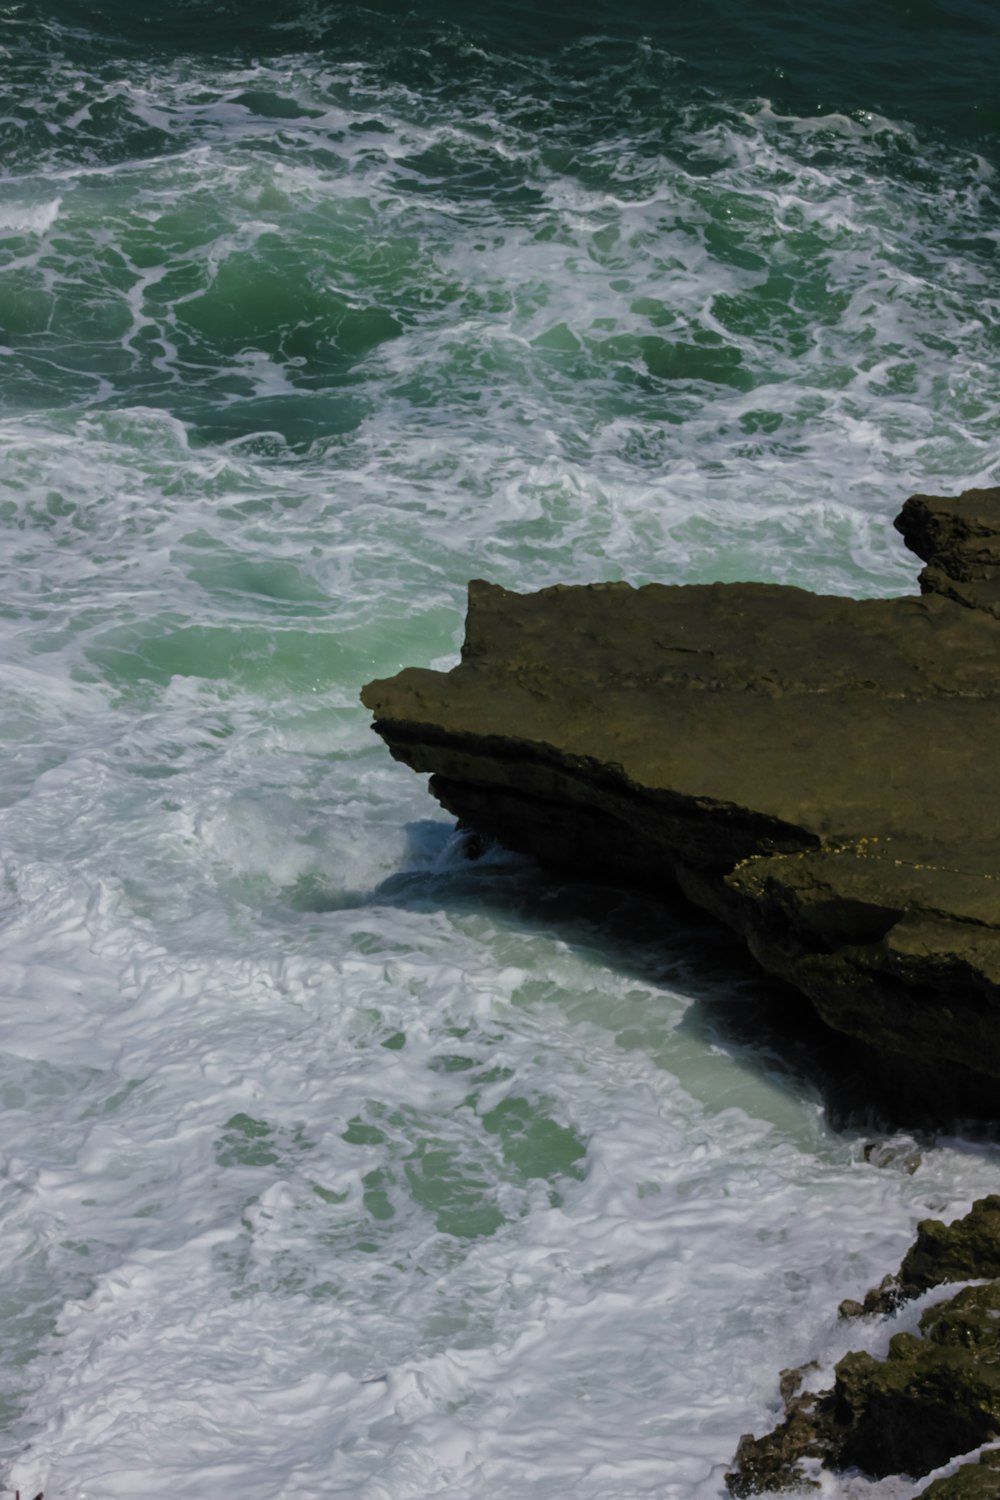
(333, 1165)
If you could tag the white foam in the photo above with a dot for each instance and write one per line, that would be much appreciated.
(268, 1037)
(28, 218)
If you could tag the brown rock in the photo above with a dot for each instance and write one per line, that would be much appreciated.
(979, 1481)
(967, 1249)
(935, 1395)
(820, 773)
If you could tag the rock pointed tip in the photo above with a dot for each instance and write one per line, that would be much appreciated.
(958, 538)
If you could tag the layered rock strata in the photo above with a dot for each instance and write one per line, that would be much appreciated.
(821, 773)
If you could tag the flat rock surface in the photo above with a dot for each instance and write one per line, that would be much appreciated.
(820, 772)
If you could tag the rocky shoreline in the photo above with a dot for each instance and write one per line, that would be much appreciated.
(817, 772)
(820, 774)
(935, 1396)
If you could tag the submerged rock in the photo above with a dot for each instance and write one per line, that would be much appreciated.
(902, 1155)
(818, 772)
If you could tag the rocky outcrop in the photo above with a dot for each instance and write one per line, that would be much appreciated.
(964, 1250)
(958, 538)
(818, 772)
(935, 1396)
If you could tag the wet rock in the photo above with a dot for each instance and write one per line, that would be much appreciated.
(965, 1250)
(777, 1462)
(817, 772)
(978, 1481)
(790, 1382)
(882, 1299)
(935, 1395)
(899, 1155)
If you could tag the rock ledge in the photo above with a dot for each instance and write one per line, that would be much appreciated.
(820, 773)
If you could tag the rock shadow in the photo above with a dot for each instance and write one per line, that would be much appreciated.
(666, 941)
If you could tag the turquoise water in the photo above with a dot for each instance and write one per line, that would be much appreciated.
(333, 1166)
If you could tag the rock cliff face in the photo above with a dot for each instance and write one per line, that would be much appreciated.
(822, 774)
